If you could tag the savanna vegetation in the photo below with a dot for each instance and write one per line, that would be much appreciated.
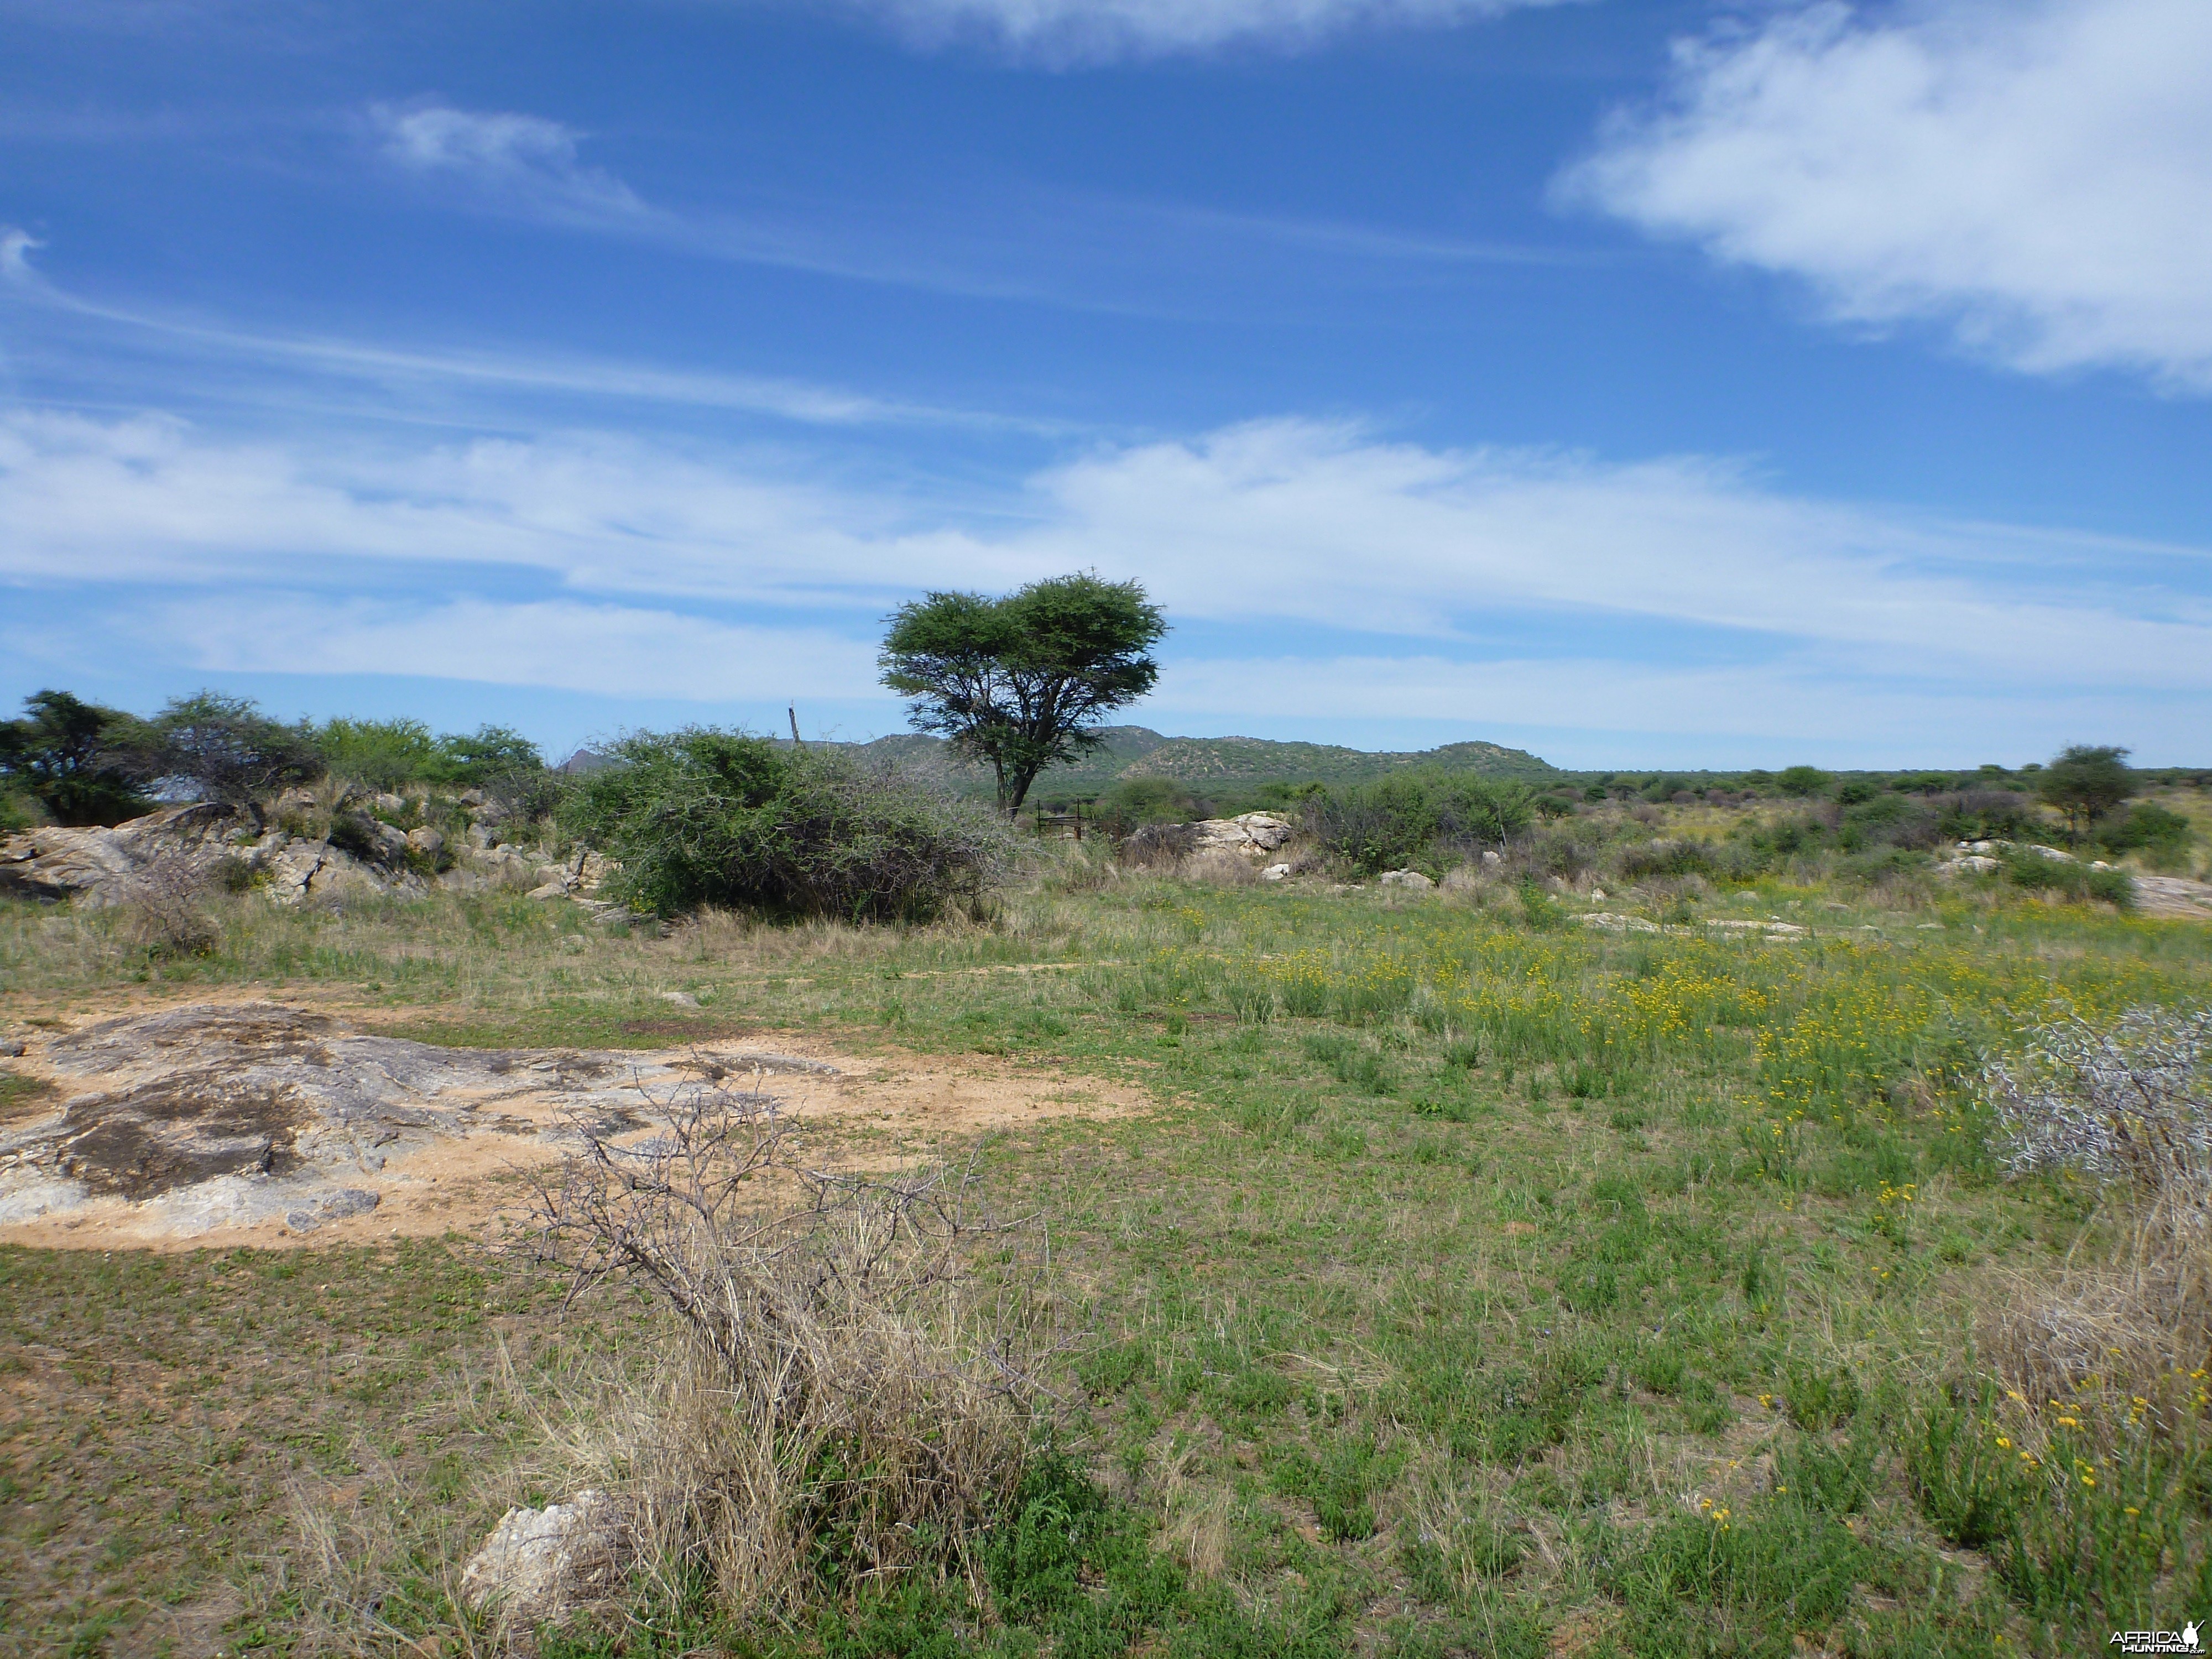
(1767, 1268)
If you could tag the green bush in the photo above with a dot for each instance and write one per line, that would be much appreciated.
(1802, 780)
(18, 811)
(1415, 817)
(2067, 878)
(1888, 821)
(1985, 815)
(703, 817)
(1665, 858)
(1135, 801)
(379, 754)
(2144, 827)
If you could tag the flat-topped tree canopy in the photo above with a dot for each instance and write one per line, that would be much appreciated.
(1019, 682)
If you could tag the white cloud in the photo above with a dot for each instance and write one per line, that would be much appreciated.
(559, 644)
(2037, 174)
(1067, 31)
(1702, 589)
(523, 156)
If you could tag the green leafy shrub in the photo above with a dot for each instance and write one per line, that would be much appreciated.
(1802, 780)
(19, 810)
(379, 754)
(1407, 819)
(703, 817)
(1985, 815)
(1888, 821)
(2144, 827)
(2067, 878)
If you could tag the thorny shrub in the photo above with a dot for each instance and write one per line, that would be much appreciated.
(2132, 1103)
(857, 1391)
(165, 904)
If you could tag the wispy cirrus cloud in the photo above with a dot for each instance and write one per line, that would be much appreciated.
(523, 158)
(1093, 31)
(2034, 174)
(402, 366)
(989, 239)
(1487, 576)
(626, 651)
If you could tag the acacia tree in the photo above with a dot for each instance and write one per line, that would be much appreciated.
(63, 752)
(1019, 681)
(221, 749)
(2085, 783)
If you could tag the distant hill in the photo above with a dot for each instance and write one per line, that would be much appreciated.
(1136, 751)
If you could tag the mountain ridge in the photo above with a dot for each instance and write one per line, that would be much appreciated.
(1138, 752)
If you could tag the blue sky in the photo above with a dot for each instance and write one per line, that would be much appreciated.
(1661, 383)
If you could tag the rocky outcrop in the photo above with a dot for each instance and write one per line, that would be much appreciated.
(540, 1565)
(53, 864)
(2173, 896)
(188, 1120)
(206, 841)
(1248, 833)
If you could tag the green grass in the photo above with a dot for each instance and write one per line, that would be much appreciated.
(1477, 1286)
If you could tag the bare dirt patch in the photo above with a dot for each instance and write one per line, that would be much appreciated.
(290, 1124)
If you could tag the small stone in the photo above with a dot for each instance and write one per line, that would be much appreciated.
(1598, 894)
(12, 1047)
(551, 889)
(1491, 860)
(681, 998)
(426, 840)
(1275, 872)
(1413, 880)
(539, 1565)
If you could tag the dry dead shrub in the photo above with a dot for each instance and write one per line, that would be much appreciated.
(165, 908)
(1220, 869)
(2127, 1106)
(857, 1386)
(1157, 845)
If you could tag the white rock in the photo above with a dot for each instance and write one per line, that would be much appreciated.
(1598, 893)
(101, 863)
(385, 801)
(1491, 860)
(1275, 872)
(681, 998)
(539, 1565)
(426, 840)
(1413, 880)
(1265, 829)
(1618, 924)
(1972, 864)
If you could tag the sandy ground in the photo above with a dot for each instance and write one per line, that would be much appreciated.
(240, 1120)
